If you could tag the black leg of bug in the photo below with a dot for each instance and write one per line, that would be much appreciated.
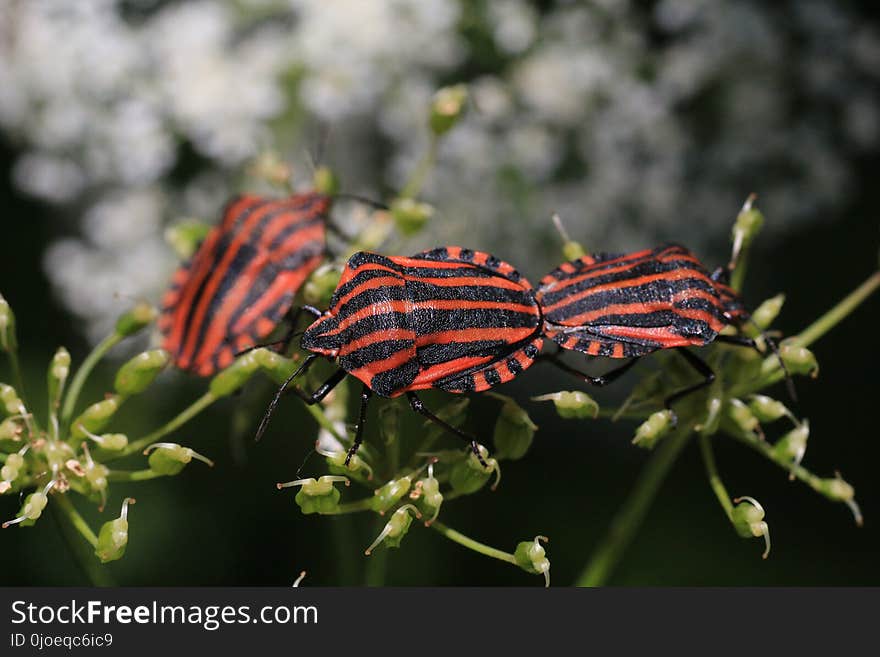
(419, 408)
(366, 393)
(700, 366)
(743, 341)
(602, 380)
(313, 398)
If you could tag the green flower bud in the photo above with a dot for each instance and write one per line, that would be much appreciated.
(336, 461)
(748, 520)
(325, 181)
(316, 495)
(428, 496)
(170, 458)
(113, 536)
(137, 374)
(321, 285)
(572, 404)
(713, 416)
(799, 360)
(95, 417)
(532, 558)
(270, 167)
(447, 108)
(186, 236)
(469, 475)
(390, 494)
(32, 508)
(747, 225)
(793, 445)
(410, 216)
(767, 409)
(10, 402)
(742, 417)
(8, 341)
(12, 467)
(135, 319)
(235, 376)
(654, 428)
(10, 429)
(395, 529)
(838, 490)
(276, 366)
(514, 432)
(767, 312)
(110, 441)
(59, 368)
(571, 250)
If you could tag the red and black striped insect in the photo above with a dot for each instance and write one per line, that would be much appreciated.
(242, 280)
(450, 318)
(630, 305)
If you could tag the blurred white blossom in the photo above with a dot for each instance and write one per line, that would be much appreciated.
(637, 122)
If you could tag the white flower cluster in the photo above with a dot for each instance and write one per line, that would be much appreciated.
(635, 125)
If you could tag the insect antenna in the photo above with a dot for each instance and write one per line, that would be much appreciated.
(264, 423)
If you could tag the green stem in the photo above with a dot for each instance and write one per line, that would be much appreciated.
(714, 478)
(138, 445)
(75, 529)
(798, 471)
(770, 370)
(82, 374)
(471, 544)
(629, 517)
(351, 507)
(417, 179)
(133, 475)
(16, 375)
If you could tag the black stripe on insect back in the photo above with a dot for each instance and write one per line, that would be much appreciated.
(659, 290)
(420, 291)
(443, 352)
(426, 321)
(373, 352)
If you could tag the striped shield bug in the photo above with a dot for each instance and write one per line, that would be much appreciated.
(630, 305)
(451, 318)
(242, 280)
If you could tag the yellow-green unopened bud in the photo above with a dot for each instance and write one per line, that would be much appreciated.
(747, 225)
(235, 376)
(741, 416)
(32, 508)
(395, 529)
(321, 285)
(10, 429)
(654, 428)
(135, 319)
(572, 404)
(447, 107)
(111, 441)
(767, 312)
(170, 458)
(514, 432)
(325, 181)
(429, 497)
(532, 558)
(276, 366)
(113, 536)
(316, 495)
(95, 417)
(59, 368)
(336, 461)
(469, 475)
(8, 341)
(10, 401)
(767, 409)
(410, 216)
(793, 445)
(390, 494)
(748, 520)
(840, 491)
(137, 374)
(799, 360)
(186, 236)
(713, 416)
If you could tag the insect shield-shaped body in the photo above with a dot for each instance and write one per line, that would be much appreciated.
(451, 318)
(630, 305)
(242, 280)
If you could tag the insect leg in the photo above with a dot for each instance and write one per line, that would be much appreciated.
(700, 366)
(601, 380)
(366, 393)
(419, 408)
(293, 316)
(744, 341)
(319, 394)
